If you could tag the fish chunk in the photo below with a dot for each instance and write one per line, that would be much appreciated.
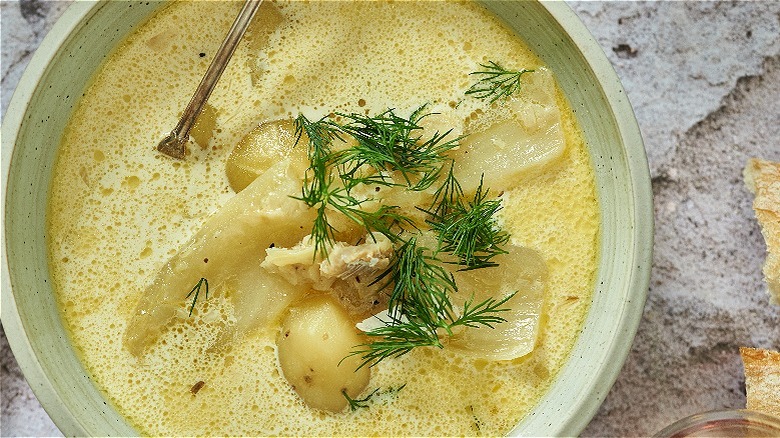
(347, 273)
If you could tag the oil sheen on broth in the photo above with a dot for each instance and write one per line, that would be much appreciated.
(119, 210)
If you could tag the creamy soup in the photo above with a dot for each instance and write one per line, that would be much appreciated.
(120, 210)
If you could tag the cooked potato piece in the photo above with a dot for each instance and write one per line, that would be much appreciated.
(203, 130)
(227, 251)
(526, 141)
(523, 271)
(315, 341)
(259, 297)
(263, 146)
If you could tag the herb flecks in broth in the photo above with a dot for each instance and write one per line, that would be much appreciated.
(201, 284)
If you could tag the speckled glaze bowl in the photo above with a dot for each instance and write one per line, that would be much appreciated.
(86, 34)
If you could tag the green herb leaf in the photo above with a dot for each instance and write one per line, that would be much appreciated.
(355, 404)
(496, 82)
(420, 309)
(202, 283)
(469, 231)
(395, 339)
(483, 314)
(388, 142)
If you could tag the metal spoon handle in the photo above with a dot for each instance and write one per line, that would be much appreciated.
(173, 145)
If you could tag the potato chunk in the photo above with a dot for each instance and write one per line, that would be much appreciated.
(313, 345)
(527, 140)
(203, 130)
(227, 251)
(259, 149)
(522, 271)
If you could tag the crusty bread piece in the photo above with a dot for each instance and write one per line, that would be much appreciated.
(762, 379)
(763, 179)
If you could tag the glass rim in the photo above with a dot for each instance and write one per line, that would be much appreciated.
(709, 420)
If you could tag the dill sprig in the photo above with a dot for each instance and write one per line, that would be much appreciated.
(357, 403)
(384, 143)
(202, 283)
(447, 195)
(468, 230)
(484, 313)
(496, 82)
(395, 339)
(420, 308)
(421, 287)
(399, 336)
(388, 142)
(317, 180)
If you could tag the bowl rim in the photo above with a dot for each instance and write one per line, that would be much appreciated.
(628, 128)
(63, 417)
(592, 395)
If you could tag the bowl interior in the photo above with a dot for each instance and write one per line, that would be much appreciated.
(58, 75)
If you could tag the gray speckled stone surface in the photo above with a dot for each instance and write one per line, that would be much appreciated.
(704, 79)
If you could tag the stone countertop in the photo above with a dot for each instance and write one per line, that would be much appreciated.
(704, 80)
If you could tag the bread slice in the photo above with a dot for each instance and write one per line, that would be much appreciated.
(762, 379)
(763, 179)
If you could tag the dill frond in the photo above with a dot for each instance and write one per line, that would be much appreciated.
(202, 283)
(484, 314)
(496, 82)
(388, 142)
(420, 288)
(469, 231)
(355, 404)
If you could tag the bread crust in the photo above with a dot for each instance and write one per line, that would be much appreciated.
(762, 379)
(763, 179)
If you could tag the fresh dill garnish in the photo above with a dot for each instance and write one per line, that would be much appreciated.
(384, 143)
(393, 340)
(202, 283)
(400, 336)
(317, 180)
(419, 305)
(388, 142)
(483, 314)
(336, 199)
(420, 287)
(420, 309)
(447, 195)
(468, 230)
(355, 404)
(321, 135)
(496, 82)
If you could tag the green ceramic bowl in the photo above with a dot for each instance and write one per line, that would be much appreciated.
(86, 33)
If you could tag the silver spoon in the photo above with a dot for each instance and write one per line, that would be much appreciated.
(174, 143)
